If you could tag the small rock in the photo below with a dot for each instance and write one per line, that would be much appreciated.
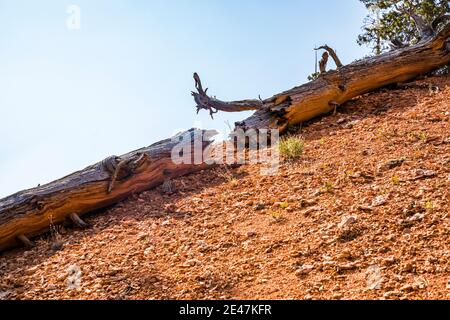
(170, 208)
(57, 245)
(305, 203)
(337, 296)
(345, 255)
(142, 236)
(328, 265)
(347, 267)
(390, 261)
(374, 277)
(251, 234)
(4, 294)
(408, 268)
(391, 164)
(347, 221)
(51, 287)
(308, 297)
(351, 124)
(424, 174)
(348, 234)
(379, 201)
(307, 212)
(97, 287)
(341, 121)
(149, 250)
(417, 217)
(31, 271)
(260, 206)
(202, 246)
(393, 294)
(304, 270)
(448, 284)
(405, 224)
(407, 288)
(191, 263)
(365, 208)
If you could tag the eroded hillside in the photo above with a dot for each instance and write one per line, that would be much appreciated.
(364, 213)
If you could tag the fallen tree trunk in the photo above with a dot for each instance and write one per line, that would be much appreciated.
(336, 87)
(32, 212)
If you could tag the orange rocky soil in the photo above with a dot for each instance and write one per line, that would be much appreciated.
(363, 214)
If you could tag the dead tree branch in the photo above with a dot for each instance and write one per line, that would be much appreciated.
(333, 54)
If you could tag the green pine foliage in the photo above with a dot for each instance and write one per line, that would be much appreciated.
(387, 21)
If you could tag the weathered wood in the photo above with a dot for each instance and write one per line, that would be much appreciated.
(333, 54)
(336, 87)
(213, 105)
(324, 62)
(32, 212)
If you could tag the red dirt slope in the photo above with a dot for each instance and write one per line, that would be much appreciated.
(364, 214)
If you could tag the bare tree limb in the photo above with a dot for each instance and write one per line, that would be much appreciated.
(204, 102)
(333, 54)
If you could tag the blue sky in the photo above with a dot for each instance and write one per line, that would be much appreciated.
(69, 98)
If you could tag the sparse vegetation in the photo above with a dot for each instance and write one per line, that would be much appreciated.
(328, 187)
(322, 141)
(417, 136)
(292, 147)
(429, 206)
(276, 216)
(395, 180)
(55, 236)
(230, 178)
(313, 76)
(284, 205)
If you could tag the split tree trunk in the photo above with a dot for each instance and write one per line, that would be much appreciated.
(31, 212)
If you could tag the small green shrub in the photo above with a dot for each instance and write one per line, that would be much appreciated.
(291, 147)
(329, 187)
(284, 205)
